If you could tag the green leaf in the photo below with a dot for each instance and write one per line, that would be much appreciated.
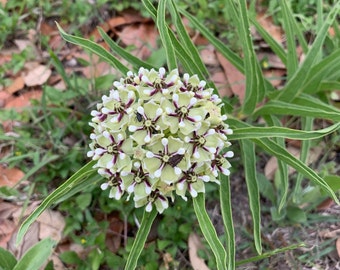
(135, 61)
(225, 201)
(219, 45)
(298, 109)
(333, 181)
(292, 59)
(274, 45)
(70, 257)
(293, 87)
(7, 259)
(36, 256)
(249, 160)
(226, 211)
(185, 38)
(209, 232)
(84, 200)
(268, 132)
(78, 181)
(140, 239)
(296, 214)
(95, 48)
(322, 71)
(164, 35)
(254, 78)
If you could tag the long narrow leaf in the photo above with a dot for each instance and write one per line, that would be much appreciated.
(282, 154)
(285, 108)
(293, 87)
(268, 132)
(164, 35)
(225, 201)
(140, 239)
(292, 59)
(135, 61)
(222, 48)
(274, 45)
(254, 78)
(36, 256)
(95, 48)
(307, 124)
(209, 232)
(185, 38)
(78, 181)
(249, 161)
(282, 172)
(7, 259)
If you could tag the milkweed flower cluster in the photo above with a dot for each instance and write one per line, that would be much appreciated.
(158, 135)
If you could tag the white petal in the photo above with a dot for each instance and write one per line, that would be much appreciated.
(181, 151)
(205, 178)
(140, 109)
(147, 138)
(104, 186)
(181, 124)
(178, 171)
(159, 112)
(193, 192)
(131, 188)
(165, 141)
(132, 128)
(148, 207)
(161, 71)
(158, 173)
(180, 185)
(211, 132)
(147, 189)
(230, 154)
(122, 155)
(149, 154)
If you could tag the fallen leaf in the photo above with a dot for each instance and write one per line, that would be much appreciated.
(4, 97)
(208, 56)
(52, 224)
(37, 76)
(326, 204)
(142, 36)
(221, 82)
(24, 100)
(267, 23)
(194, 244)
(275, 76)
(10, 176)
(7, 228)
(327, 233)
(17, 84)
(235, 78)
(337, 245)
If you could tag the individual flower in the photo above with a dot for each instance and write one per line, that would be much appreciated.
(114, 183)
(111, 150)
(166, 159)
(220, 163)
(157, 84)
(155, 198)
(147, 123)
(182, 113)
(203, 142)
(193, 181)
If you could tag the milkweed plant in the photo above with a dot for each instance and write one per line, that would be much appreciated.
(157, 136)
(160, 135)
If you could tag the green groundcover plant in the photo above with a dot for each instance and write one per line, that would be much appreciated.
(160, 134)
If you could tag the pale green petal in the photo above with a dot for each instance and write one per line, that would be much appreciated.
(168, 175)
(198, 186)
(150, 109)
(171, 122)
(175, 144)
(139, 136)
(151, 165)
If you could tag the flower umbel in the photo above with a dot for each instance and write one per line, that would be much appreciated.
(156, 135)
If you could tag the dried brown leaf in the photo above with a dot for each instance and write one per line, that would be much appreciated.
(24, 100)
(194, 244)
(235, 78)
(37, 76)
(17, 84)
(10, 176)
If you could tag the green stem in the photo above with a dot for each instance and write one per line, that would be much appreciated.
(209, 232)
(141, 236)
